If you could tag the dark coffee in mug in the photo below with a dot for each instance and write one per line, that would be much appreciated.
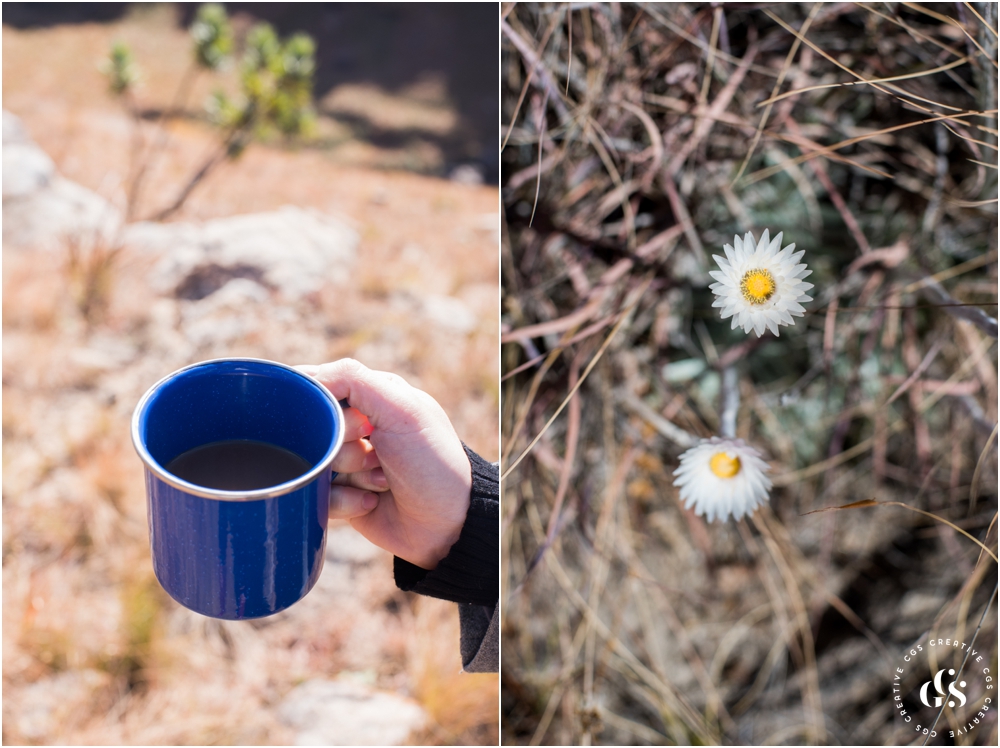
(238, 465)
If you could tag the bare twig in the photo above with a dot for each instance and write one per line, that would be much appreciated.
(677, 435)
(534, 63)
(777, 85)
(935, 293)
(927, 361)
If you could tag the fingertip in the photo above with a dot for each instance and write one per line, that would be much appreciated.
(347, 502)
(356, 424)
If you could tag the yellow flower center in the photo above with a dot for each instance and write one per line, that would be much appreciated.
(723, 465)
(757, 286)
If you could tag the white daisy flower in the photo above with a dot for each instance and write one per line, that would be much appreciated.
(758, 285)
(722, 477)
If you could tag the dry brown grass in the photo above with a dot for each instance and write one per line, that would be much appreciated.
(638, 143)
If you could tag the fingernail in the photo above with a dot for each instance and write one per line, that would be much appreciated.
(377, 476)
(366, 429)
(369, 501)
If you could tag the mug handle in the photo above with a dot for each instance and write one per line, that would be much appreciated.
(344, 405)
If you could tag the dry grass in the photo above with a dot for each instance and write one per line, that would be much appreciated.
(639, 140)
(93, 651)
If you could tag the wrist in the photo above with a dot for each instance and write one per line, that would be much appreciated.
(449, 531)
(445, 529)
(469, 573)
(430, 559)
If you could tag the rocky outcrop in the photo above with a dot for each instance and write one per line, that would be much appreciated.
(291, 250)
(42, 209)
(294, 251)
(344, 712)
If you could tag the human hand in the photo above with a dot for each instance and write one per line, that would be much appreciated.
(406, 488)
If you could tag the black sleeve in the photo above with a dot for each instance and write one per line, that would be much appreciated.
(470, 573)
(479, 641)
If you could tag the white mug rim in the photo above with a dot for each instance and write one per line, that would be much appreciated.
(270, 492)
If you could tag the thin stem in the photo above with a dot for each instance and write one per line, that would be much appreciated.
(730, 402)
(214, 160)
(176, 106)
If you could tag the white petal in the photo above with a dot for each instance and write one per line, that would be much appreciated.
(746, 254)
(710, 496)
(765, 240)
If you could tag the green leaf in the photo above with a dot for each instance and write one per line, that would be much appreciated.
(120, 68)
(213, 36)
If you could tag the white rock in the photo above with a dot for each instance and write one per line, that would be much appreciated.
(448, 313)
(466, 174)
(26, 169)
(13, 130)
(342, 712)
(49, 705)
(59, 213)
(40, 208)
(104, 352)
(293, 250)
(238, 293)
(226, 316)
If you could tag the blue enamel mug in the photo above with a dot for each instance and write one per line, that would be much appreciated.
(237, 554)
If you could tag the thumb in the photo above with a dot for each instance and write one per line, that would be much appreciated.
(347, 502)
